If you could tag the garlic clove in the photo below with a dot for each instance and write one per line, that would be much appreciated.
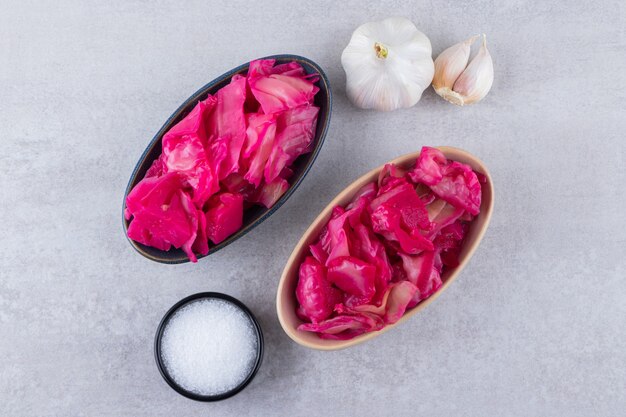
(450, 64)
(475, 82)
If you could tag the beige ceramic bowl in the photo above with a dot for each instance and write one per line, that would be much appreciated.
(286, 299)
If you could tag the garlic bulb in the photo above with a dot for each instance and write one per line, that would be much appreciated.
(458, 82)
(388, 65)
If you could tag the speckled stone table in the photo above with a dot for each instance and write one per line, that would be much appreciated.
(535, 325)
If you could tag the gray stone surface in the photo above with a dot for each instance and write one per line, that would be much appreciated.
(536, 324)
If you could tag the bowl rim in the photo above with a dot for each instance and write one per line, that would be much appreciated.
(159, 335)
(312, 156)
(350, 189)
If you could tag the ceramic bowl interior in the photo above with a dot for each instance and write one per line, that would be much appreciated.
(159, 335)
(257, 214)
(285, 299)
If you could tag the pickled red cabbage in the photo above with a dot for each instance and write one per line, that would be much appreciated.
(316, 296)
(386, 250)
(224, 216)
(233, 149)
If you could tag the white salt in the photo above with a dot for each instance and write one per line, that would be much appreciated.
(209, 346)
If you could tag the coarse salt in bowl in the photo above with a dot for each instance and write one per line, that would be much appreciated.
(208, 346)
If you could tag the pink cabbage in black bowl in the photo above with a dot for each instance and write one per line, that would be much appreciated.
(227, 158)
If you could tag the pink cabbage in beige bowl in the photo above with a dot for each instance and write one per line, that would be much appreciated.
(384, 248)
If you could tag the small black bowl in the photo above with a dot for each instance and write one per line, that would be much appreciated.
(255, 215)
(163, 370)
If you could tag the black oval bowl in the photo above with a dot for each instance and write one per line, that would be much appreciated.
(163, 370)
(255, 215)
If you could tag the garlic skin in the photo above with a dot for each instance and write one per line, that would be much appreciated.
(388, 65)
(458, 82)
